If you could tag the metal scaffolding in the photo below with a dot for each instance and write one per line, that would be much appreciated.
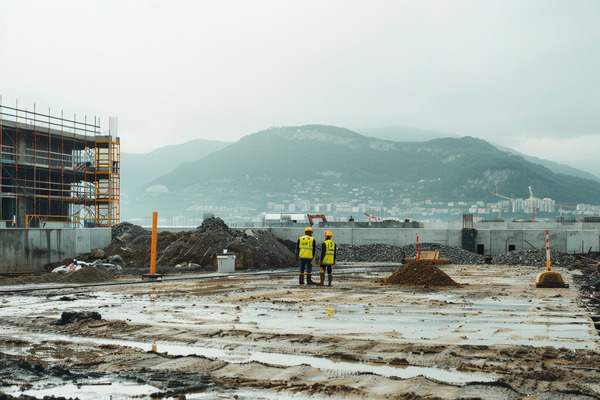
(57, 170)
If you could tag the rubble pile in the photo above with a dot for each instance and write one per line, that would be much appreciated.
(458, 255)
(589, 280)
(128, 231)
(535, 258)
(389, 253)
(70, 317)
(369, 253)
(421, 273)
(199, 247)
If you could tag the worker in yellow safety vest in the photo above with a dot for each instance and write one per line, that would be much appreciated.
(305, 252)
(328, 252)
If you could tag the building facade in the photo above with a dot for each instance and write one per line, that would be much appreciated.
(57, 172)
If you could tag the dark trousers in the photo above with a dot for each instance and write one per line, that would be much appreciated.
(305, 263)
(327, 269)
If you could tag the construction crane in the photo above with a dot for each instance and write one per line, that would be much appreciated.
(504, 197)
(560, 207)
(532, 204)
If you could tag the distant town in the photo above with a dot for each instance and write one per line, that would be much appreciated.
(368, 204)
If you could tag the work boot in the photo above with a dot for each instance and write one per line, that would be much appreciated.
(301, 278)
(329, 279)
(322, 278)
(309, 280)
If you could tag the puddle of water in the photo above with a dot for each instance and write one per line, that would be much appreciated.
(485, 321)
(255, 394)
(423, 317)
(91, 390)
(287, 360)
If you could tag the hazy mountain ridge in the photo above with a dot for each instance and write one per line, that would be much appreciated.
(279, 160)
(139, 169)
(404, 134)
(553, 166)
(410, 134)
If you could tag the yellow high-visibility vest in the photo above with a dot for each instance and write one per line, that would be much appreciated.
(329, 253)
(306, 246)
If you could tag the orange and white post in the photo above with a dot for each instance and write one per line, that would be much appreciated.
(547, 252)
(417, 255)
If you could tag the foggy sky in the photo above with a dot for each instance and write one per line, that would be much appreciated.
(523, 74)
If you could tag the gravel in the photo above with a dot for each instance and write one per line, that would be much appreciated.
(390, 253)
(534, 257)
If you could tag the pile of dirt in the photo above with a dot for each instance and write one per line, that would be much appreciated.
(422, 273)
(128, 231)
(86, 275)
(199, 248)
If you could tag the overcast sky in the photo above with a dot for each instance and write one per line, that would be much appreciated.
(524, 74)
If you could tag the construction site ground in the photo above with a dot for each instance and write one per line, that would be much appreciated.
(261, 335)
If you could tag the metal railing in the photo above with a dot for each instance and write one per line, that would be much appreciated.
(51, 122)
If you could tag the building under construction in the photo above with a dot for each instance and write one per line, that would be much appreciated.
(57, 172)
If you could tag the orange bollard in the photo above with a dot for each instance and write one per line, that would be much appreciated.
(153, 274)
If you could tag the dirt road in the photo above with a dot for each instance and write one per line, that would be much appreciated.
(266, 337)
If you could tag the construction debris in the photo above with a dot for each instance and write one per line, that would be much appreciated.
(69, 317)
(199, 247)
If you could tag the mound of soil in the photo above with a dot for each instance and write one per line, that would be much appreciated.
(253, 249)
(419, 274)
(84, 275)
(87, 275)
(127, 231)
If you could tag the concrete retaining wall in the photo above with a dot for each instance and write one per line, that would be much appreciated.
(31, 249)
(489, 241)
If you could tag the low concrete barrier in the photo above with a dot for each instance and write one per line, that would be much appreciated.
(31, 249)
(487, 241)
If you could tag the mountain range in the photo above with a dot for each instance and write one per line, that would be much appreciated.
(139, 169)
(410, 134)
(326, 162)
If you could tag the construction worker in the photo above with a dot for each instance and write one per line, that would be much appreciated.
(328, 252)
(305, 252)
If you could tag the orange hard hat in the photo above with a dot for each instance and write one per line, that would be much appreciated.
(328, 233)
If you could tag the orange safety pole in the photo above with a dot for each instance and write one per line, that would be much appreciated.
(153, 246)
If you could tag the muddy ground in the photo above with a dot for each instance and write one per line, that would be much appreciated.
(263, 336)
